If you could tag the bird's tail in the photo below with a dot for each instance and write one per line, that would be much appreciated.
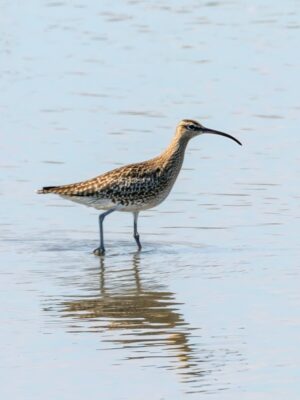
(47, 189)
(69, 190)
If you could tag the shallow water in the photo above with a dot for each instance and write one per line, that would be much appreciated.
(210, 307)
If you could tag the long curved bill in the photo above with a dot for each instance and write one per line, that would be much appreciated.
(207, 130)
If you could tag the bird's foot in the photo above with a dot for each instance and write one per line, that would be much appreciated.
(100, 251)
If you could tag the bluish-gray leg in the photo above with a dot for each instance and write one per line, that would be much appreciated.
(135, 231)
(101, 250)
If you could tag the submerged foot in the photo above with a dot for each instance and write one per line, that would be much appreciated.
(100, 251)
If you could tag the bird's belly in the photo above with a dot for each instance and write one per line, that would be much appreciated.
(129, 205)
(106, 203)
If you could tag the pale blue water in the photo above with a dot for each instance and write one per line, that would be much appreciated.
(210, 308)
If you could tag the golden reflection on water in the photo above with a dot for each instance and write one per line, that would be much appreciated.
(138, 316)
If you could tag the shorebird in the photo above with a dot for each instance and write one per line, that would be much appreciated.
(135, 187)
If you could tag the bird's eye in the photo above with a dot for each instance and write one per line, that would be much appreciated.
(192, 127)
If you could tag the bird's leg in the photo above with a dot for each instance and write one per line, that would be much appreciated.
(135, 231)
(101, 250)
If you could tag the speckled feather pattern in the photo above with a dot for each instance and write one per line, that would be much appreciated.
(133, 187)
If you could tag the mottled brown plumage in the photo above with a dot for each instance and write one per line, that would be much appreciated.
(134, 187)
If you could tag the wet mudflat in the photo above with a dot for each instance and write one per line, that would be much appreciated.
(210, 307)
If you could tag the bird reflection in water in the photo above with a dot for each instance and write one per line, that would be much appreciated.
(137, 316)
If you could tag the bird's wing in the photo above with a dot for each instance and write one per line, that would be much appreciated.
(129, 177)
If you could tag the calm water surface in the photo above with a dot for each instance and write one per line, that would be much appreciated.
(210, 308)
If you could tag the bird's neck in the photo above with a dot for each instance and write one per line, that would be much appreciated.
(174, 153)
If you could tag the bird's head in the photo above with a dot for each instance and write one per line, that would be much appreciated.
(188, 128)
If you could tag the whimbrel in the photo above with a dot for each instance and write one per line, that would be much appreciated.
(135, 187)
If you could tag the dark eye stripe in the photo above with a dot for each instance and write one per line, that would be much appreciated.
(192, 127)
